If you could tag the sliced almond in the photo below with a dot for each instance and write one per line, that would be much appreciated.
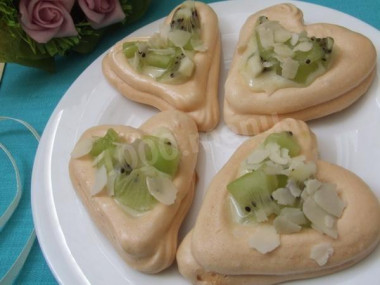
(266, 37)
(318, 216)
(312, 185)
(111, 182)
(303, 46)
(257, 156)
(100, 180)
(281, 35)
(331, 232)
(285, 226)
(162, 188)
(186, 67)
(321, 252)
(275, 154)
(293, 188)
(283, 50)
(254, 66)
(294, 39)
(294, 215)
(289, 68)
(283, 196)
(82, 148)
(327, 198)
(304, 171)
(330, 222)
(271, 168)
(265, 239)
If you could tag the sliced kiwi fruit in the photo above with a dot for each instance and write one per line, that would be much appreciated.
(252, 193)
(129, 49)
(105, 143)
(162, 155)
(310, 56)
(282, 181)
(131, 162)
(186, 18)
(159, 60)
(311, 61)
(285, 140)
(132, 191)
(168, 58)
(168, 65)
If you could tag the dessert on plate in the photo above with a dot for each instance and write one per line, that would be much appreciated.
(275, 212)
(138, 184)
(283, 68)
(176, 68)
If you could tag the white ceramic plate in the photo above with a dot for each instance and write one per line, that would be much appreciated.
(78, 253)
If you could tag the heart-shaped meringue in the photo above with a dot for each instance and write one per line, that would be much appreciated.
(349, 75)
(198, 96)
(147, 241)
(218, 249)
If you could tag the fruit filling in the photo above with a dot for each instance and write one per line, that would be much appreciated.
(278, 186)
(168, 55)
(137, 175)
(278, 58)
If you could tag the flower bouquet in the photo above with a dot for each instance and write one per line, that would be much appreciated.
(34, 32)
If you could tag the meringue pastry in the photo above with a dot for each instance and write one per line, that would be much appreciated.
(283, 68)
(138, 184)
(177, 68)
(275, 213)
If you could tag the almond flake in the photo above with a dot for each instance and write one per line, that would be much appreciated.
(265, 239)
(321, 252)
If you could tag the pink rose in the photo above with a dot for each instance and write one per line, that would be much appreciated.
(43, 20)
(101, 13)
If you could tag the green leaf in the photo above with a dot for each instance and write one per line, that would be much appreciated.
(138, 9)
(17, 51)
(16, 46)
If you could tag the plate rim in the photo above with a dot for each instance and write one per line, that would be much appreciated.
(41, 166)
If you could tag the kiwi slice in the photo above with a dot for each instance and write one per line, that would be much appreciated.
(129, 49)
(277, 47)
(162, 155)
(105, 143)
(169, 65)
(186, 18)
(159, 60)
(282, 181)
(149, 56)
(168, 58)
(252, 193)
(132, 191)
(128, 165)
(310, 61)
(285, 140)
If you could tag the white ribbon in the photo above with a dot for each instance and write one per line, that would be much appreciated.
(16, 267)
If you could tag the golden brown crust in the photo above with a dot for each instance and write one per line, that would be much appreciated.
(345, 81)
(218, 249)
(191, 269)
(251, 124)
(147, 242)
(198, 96)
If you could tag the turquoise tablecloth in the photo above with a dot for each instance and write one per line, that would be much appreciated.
(32, 95)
